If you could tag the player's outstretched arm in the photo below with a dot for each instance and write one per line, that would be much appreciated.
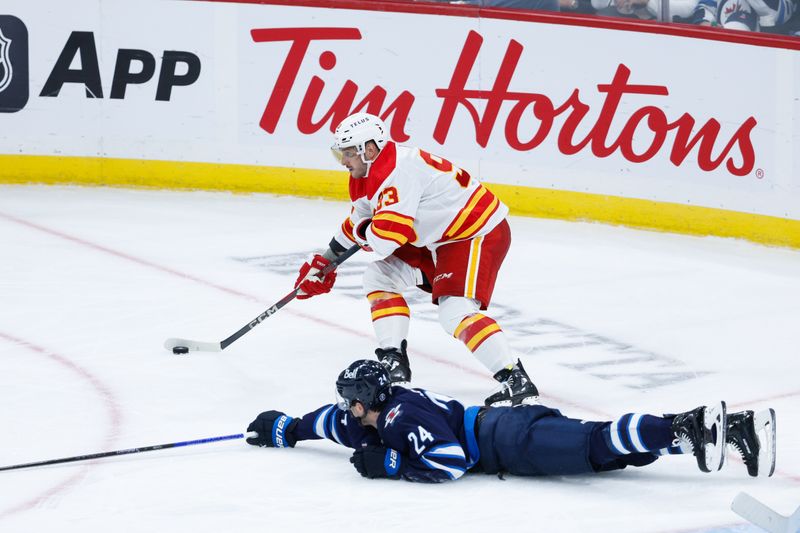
(275, 430)
(278, 430)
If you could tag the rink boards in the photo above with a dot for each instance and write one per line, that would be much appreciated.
(665, 127)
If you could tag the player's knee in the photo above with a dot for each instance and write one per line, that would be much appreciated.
(390, 275)
(377, 278)
(453, 309)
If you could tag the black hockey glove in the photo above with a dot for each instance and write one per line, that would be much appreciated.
(275, 430)
(377, 462)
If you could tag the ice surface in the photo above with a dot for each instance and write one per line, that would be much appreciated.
(607, 321)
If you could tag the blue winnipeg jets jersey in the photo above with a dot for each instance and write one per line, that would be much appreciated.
(431, 437)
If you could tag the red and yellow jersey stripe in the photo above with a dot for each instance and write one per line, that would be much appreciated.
(473, 216)
(475, 329)
(394, 227)
(348, 228)
(384, 304)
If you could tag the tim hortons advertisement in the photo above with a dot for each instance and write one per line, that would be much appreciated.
(520, 103)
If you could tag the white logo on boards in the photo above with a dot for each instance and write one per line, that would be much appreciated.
(5, 62)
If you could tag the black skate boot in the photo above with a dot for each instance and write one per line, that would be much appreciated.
(704, 430)
(396, 362)
(758, 454)
(515, 388)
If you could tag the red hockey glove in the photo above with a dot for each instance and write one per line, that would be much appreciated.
(360, 233)
(308, 282)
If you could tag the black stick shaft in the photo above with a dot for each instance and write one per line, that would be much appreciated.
(128, 451)
(286, 299)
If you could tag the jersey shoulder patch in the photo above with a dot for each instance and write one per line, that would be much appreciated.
(392, 415)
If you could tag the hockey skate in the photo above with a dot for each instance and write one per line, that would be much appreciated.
(752, 435)
(703, 429)
(396, 362)
(516, 388)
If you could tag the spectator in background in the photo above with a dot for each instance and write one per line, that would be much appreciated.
(543, 5)
(700, 12)
(575, 6)
(773, 16)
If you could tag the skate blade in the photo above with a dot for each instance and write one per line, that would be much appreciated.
(715, 452)
(516, 402)
(764, 422)
(530, 400)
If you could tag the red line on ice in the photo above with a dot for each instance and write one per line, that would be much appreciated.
(253, 298)
(333, 325)
(109, 400)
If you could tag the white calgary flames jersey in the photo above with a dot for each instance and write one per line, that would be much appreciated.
(417, 198)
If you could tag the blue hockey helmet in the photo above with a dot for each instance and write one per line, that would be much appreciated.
(364, 381)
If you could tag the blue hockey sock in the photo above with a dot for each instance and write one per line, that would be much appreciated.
(674, 450)
(638, 433)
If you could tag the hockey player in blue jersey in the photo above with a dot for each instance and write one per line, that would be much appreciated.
(418, 435)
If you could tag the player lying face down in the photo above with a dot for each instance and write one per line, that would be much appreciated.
(422, 436)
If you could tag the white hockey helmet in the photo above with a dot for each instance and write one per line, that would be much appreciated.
(355, 131)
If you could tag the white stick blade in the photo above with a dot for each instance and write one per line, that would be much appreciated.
(193, 346)
(759, 514)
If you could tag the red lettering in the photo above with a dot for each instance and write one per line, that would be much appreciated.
(746, 149)
(707, 137)
(343, 104)
(656, 121)
(531, 117)
(300, 38)
(614, 92)
(543, 111)
(457, 96)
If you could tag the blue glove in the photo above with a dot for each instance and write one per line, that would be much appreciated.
(275, 430)
(377, 462)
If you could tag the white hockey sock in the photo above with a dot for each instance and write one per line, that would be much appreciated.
(494, 353)
(460, 318)
(487, 342)
(390, 318)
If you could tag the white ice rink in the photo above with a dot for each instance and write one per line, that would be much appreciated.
(607, 321)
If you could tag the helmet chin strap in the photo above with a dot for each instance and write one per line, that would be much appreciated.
(363, 155)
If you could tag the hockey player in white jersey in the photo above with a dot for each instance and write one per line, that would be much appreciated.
(433, 226)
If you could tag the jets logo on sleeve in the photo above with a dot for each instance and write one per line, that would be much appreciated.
(392, 415)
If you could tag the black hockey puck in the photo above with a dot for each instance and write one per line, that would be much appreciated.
(180, 349)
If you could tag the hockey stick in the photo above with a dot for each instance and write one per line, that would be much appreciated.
(131, 450)
(186, 345)
(759, 514)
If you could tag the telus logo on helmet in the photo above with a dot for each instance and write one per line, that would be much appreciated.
(688, 135)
